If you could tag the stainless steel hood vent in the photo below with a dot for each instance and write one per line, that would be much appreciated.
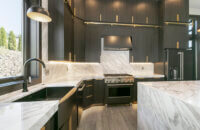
(117, 43)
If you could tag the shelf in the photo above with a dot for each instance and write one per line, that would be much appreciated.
(123, 24)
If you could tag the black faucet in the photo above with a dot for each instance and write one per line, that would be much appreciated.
(25, 89)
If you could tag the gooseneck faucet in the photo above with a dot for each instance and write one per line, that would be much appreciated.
(25, 88)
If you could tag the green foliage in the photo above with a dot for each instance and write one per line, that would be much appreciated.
(3, 38)
(20, 43)
(12, 41)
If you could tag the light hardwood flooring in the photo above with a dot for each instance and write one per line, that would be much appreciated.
(109, 118)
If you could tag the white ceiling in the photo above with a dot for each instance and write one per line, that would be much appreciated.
(194, 7)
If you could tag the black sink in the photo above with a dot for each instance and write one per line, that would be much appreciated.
(51, 93)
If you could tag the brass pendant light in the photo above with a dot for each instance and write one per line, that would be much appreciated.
(39, 14)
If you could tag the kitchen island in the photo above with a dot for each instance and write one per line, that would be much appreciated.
(169, 105)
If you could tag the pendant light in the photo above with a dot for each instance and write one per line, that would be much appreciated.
(39, 14)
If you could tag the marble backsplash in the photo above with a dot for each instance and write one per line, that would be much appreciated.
(65, 71)
(114, 62)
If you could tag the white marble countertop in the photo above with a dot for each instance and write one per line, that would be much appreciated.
(26, 115)
(31, 115)
(187, 91)
(148, 76)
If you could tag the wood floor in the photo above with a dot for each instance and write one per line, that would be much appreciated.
(109, 118)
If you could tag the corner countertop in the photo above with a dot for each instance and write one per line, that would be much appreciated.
(187, 91)
(32, 115)
(26, 115)
(148, 76)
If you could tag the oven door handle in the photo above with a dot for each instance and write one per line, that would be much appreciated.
(119, 84)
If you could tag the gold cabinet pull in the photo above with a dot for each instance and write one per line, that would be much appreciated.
(177, 44)
(147, 20)
(117, 18)
(100, 18)
(177, 17)
(147, 58)
(89, 96)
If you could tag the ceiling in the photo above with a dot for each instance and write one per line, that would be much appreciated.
(194, 7)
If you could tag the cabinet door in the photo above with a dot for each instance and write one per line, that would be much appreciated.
(152, 12)
(68, 35)
(145, 41)
(99, 87)
(93, 43)
(79, 8)
(56, 30)
(93, 10)
(173, 34)
(79, 40)
(174, 8)
(108, 14)
(121, 11)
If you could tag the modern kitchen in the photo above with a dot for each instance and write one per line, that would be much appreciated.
(100, 65)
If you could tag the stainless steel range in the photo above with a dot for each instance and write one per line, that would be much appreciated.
(119, 88)
(118, 78)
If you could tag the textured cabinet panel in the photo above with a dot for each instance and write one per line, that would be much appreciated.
(79, 40)
(60, 31)
(79, 10)
(93, 10)
(172, 8)
(174, 33)
(145, 44)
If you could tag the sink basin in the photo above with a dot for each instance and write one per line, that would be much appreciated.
(51, 93)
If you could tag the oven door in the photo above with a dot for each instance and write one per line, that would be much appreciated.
(118, 93)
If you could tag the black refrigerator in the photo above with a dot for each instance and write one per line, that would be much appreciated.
(178, 64)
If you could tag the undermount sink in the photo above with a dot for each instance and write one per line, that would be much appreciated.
(46, 94)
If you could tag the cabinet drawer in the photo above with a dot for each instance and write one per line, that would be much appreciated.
(88, 100)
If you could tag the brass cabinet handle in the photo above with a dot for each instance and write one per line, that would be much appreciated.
(89, 86)
(89, 96)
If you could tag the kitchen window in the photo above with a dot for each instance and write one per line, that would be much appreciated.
(11, 43)
(25, 36)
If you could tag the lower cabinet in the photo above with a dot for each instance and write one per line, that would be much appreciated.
(93, 93)
(67, 114)
(99, 91)
(143, 80)
(88, 93)
(52, 124)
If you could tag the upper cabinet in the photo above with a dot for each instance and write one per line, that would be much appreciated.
(175, 36)
(176, 10)
(60, 37)
(122, 11)
(93, 10)
(79, 8)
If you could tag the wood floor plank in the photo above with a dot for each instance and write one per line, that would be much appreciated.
(122, 117)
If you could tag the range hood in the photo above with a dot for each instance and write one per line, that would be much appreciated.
(117, 43)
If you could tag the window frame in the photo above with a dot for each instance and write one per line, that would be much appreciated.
(4, 82)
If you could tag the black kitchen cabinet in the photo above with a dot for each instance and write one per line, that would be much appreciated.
(93, 43)
(60, 37)
(79, 40)
(99, 87)
(145, 45)
(93, 10)
(173, 34)
(52, 123)
(143, 80)
(174, 9)
(79, 8)
(67, 113)
(88, 93)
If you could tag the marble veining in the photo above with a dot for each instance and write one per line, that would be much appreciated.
(168, 105)
(26, 115)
